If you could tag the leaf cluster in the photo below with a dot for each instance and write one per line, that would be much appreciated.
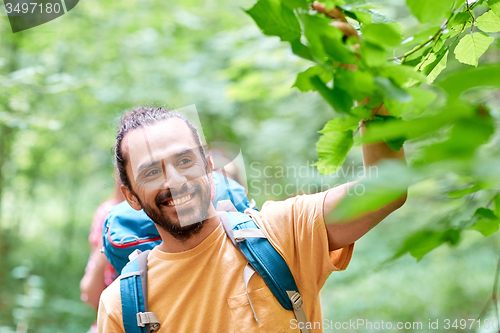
(449, 128)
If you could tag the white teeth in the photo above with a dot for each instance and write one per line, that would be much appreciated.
(179, 201)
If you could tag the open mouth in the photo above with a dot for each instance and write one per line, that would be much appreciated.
(179, 200)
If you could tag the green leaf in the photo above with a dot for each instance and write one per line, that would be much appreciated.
(461, 18)
(458, 23)
(275, 19)
(415, 58)
(336, 50)
(341, 124)
(339, 99)
(497, 205)
(416, 127)
(486, 227)
(382, 34)
(362, 16)
(487, 222)
(394, 143)
(359, 84)
(465, 191)
(401, 74)
(379, 17)
(424, 36)
(372, 54)
(329, 4)
(437, 66)
(365, 15)
(423, 242)
(333, 146)
(391, 90)
(488, 22)
(420, 102)
(361, 111)
(381, 185)
(485, 213)
(495, 6)
(317, 28)
(471, 48)
(430, 10)
(425, 61)
(457, 82)
(465, 137)
(301, 50)
(472, 4)
(303, 81)
(358, 4)
(294, 4)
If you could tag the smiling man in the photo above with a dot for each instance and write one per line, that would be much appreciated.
(171, 175)
(194, 276)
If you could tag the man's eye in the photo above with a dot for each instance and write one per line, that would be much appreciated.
(185, 161)
(152, 173)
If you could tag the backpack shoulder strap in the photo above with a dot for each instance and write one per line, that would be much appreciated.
(133, 292)
(266, 260)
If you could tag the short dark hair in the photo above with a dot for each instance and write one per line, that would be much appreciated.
(146, 116)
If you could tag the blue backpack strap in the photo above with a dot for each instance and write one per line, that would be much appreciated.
(133, 292)
(228, 189)
(266, 260)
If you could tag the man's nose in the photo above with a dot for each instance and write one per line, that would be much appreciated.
(173, 178)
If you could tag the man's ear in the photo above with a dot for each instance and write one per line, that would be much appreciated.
(210, 164)
(131, 198)
(210, 169)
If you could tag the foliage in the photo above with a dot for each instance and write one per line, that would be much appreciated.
(451, 130)
(63, 85)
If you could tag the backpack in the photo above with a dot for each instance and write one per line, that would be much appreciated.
(126, 229)
(246, 236)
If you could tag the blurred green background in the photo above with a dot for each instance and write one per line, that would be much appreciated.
(63, 86)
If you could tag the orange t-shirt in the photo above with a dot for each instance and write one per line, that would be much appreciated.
(202, 289)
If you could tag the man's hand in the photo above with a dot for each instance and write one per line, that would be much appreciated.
(337, 15)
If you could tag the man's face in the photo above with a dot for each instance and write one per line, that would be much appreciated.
(169, 176)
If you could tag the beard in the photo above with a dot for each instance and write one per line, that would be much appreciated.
(193, 218)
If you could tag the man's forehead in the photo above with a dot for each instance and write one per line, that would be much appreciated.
(164, 132)
(160, 140)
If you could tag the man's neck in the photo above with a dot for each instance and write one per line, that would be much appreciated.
(171, 244)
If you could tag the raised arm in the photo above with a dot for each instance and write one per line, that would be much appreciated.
(341, 233)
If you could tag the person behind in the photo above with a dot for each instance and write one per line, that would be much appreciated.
(194, 276)
(99, 273)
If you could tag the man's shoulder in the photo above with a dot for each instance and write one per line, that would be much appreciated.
(288, 220)
(291, 206)
(111, 298)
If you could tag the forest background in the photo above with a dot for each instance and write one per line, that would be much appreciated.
(64, 84)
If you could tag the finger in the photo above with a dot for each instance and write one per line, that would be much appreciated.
(347, 29)
(364, 101)
(380, 110)
(333, 13)
(350, 67)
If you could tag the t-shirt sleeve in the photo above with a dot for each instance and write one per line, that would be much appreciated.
(297, 229)
(109, 313)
